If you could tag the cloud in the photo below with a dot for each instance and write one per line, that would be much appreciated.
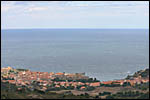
(78, 9)
(32, 6)
(32, 9)
(64, 11)
(105, 3)
(6, 6)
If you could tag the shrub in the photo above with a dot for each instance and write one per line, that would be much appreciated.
(104, 93)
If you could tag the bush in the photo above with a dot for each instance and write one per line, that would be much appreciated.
(110, 85)
(86, 95)
(126, 84)
(104, 93)
(143, 86)
(90, 88)
(109, 97)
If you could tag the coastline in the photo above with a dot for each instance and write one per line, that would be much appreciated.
(73, 83)
(106, 77)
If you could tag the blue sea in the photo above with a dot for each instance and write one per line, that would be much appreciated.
(106, 54)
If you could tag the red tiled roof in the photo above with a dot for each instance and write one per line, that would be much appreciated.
(95, 84)
(107, 82)
(83, 87)
(59, 73)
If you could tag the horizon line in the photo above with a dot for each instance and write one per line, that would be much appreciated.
(69, 28)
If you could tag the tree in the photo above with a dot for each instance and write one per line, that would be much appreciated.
(109, 97)
(86, 94)
(126, 84)
(97, 97)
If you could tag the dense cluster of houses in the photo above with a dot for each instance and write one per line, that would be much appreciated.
(132, 82)
(46, 80)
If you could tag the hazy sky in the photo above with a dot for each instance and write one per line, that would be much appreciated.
(74, 14)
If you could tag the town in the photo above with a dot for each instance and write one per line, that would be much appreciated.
(45, 81)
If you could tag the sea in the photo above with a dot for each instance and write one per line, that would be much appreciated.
(105, 54)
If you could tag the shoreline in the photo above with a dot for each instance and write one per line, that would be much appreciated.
(77, 84)
(124, 75)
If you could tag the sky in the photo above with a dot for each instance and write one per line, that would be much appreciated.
(74, 14)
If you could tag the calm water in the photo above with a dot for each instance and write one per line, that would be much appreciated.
(102, 53)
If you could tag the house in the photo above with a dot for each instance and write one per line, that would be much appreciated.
(87, 83)
(59, 73)
(145, 80)
(107, 82)
(80, 83)
(132, 82)
(12, 81)
(118, 82)
(95, 84)
(82, 88)
(44, 88)
(57, 86)
(62, 83)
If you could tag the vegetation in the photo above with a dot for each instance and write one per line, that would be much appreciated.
(22, 69)
(77, 80)
(143, 86)
(104, 93)
(142, 73)
(9, 91)
(126, 84)
(129, 95)
(140, 91)
(111, 85)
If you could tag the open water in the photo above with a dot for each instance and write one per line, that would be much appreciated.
(102, 53)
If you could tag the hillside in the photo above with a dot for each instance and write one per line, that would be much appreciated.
(138, 91)
(141, 73)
